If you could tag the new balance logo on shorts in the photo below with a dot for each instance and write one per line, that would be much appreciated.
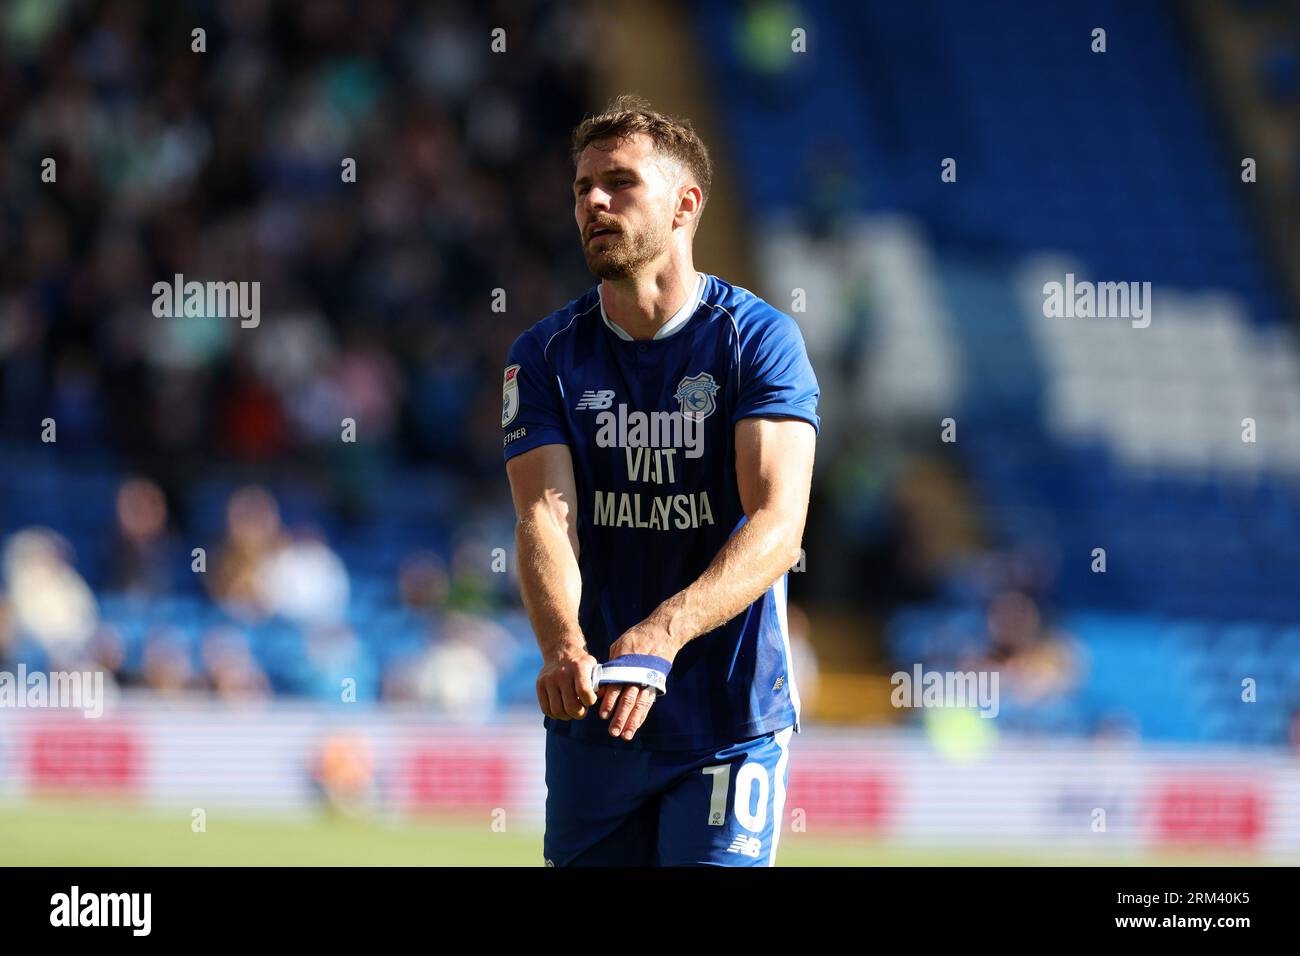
(749, 846)
(596, 400)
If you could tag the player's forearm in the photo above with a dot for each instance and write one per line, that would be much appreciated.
(764, 548)
(551, 584)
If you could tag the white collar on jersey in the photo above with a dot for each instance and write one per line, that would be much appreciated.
(680, 317)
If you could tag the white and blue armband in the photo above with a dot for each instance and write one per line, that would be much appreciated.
(644, 670)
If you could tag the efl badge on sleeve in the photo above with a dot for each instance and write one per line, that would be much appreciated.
(510, 395)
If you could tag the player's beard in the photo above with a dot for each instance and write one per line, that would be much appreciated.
(624, 254)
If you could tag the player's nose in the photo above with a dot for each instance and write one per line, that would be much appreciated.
(595, 200)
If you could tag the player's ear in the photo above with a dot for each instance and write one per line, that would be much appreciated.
(690, 203)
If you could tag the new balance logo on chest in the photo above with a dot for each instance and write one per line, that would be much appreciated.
(595, 400)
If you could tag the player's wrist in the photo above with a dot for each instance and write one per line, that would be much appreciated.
(568, 647)
(670, 622)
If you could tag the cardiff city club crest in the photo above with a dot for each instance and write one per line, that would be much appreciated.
(510, 396)
(696, 396)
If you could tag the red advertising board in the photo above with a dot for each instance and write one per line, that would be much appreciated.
(85, 756)
(1212, 811)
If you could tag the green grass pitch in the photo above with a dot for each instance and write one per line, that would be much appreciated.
(74, 834)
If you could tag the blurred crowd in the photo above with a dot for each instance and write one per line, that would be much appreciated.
(277, 614)
(228, 165)
(380, 170)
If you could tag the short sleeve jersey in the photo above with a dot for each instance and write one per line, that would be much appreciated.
(650, 426)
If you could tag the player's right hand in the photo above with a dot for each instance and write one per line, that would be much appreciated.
(564, 688)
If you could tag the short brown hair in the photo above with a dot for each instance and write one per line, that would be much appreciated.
(628, 115)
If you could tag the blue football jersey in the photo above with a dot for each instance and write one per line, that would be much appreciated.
(651, 429)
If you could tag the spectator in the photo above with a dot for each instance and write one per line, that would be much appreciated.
(51, 602)
(253, 537)
(304, 581)
(140, 556)
(167, 668)
(232, 672)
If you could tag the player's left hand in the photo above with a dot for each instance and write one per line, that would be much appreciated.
(628, 703)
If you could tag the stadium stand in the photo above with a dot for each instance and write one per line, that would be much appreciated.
(1074, 434)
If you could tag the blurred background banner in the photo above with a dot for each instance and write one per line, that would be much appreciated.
(1046, 260)
(1021, 796)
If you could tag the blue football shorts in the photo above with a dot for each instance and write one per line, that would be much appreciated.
(608, 806)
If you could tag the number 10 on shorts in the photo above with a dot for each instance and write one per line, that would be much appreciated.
(750, 774)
